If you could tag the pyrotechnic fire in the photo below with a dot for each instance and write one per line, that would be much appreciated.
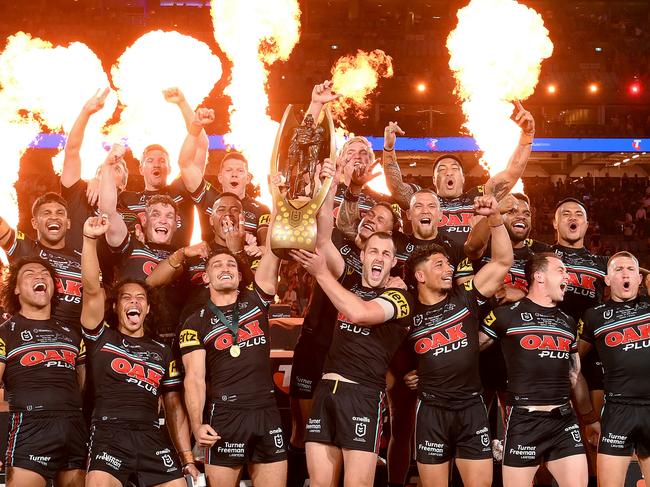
(254, 34)
(355, 77)
(156, 61)
(496, 51)
(44, 86)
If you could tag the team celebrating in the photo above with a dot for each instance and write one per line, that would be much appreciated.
(125, 347)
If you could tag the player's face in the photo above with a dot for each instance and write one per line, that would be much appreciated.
(623, 278)
(378, 258)
(160, 224)
(51, 223)
(225, 208)
(571, 222)
(34, 286)
(556, 279)
(424, 214)
(449, 178)
(436, 273)
(234, 176)
(222, 273)
(358, 154)
(518, 220)
(378, 219)
(155, 168)
(132, 307)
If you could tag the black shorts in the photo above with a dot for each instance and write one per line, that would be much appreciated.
(535, 436)
(307, 368)
(247, 435)
(347, 415)
(445, 432)
(492, 368)
(47, 442)
(624, 429)
(592, 370)
(124, 448)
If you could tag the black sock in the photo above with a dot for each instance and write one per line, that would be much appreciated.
(297, 467)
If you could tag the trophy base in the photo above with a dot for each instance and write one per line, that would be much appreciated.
(294, 227)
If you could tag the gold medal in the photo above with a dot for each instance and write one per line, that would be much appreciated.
(235, 351)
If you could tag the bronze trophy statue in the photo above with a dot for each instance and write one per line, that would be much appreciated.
(300, 147)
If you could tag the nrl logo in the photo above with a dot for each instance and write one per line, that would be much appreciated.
(360, 429)
(417, 320)
(526, 317)
(608, 314)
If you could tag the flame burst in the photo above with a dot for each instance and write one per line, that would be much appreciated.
(44, 86)
(254, 34)
(156, 61)
(496, 51)
(355, 77)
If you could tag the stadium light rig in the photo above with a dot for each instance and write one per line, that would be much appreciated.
(594, 88)
(421, 87)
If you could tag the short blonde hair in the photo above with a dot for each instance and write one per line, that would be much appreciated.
(364, 141)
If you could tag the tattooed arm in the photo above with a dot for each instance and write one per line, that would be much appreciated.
(400, 191)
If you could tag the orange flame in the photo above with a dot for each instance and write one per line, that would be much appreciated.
(254, 34)
(355, 77)
(496, 51)
(156, 61)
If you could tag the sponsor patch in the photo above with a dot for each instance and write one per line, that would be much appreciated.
(188, 338)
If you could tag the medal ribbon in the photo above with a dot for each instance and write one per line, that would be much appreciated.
(233, 326)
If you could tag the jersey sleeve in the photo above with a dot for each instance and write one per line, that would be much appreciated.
(401, 300)
(495, 323)
(81, 357)
(265, 299)
(173, 378)
(576, 327)
(204, 197)
(263, 218)
(472, 297)
(95, 337)
(191, 336)
(19, 246)
(4, 341)
(538, 247)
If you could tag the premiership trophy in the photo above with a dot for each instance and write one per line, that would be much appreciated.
(299, 147)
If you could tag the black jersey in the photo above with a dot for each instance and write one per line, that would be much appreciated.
(586, 279)
(78, 211)
(444, 338)
(361, 353)
(256, 214)
(137, 261)
(41, 358)
(67, 273)
(367, 199)
(620, 332)
(246, 378)
(134, 204)
(129, 374)
(536, 342)
(516, 276)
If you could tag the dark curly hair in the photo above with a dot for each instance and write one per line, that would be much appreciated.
(419, 255)
(8, 298)
(113, 294)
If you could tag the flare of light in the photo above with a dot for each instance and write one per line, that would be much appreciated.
(254, 35)
(44, 87)
(356, 77)
(496, 51)
(157, 61)
(196, 229)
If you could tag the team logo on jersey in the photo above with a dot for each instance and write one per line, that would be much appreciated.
(526, 317)
(608, 314)
(490, 319)
(188, 338)
(400, 302)
(26, 335)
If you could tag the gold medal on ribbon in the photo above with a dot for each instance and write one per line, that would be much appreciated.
(235, 351)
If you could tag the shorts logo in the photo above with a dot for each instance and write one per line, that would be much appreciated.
(360, 429)
(400, 302)
(167, 461)
(278, 441)
(188, 338)
(26, 335)
(608, 314)
(485, 439)
(575, 434)
(526, 317)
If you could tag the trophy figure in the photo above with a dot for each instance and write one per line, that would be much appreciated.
(298, 151)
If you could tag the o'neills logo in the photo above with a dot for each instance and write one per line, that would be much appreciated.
(631, 337)
(451, 335)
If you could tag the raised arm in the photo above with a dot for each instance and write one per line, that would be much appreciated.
(92, 310)
(172, 267)
(176, 96)
(191, 173)
(478, 238)
(266, 275)
(400, 191)
(117, 230)
(358, 311)
(348, 218)
(71, 172)
(325, 226)
(502, 183)
(491, 276)
(320, 96)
